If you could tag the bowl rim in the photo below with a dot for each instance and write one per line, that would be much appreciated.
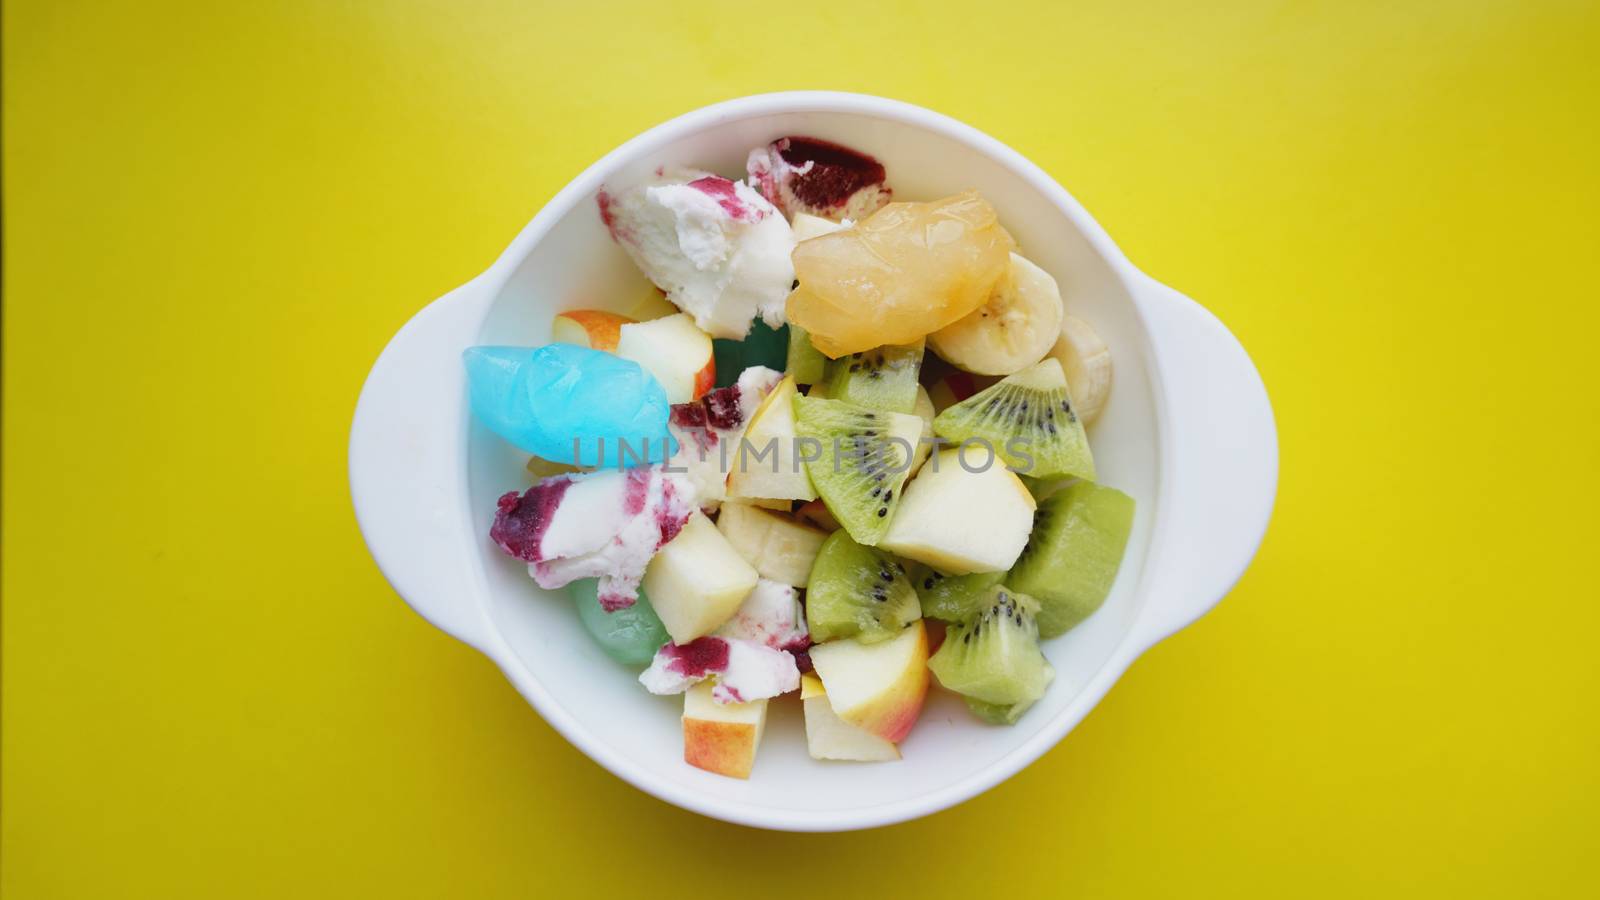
(488, 638)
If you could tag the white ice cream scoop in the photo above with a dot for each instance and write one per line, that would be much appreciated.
(717, 248)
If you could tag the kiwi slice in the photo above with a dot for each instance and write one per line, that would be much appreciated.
(997, 713)
(1027, 420)
(1072, 556)
(805, 362)
(858, 592)
(885, 378)
(858, 460)
(1041, 488)
(953, 598)
(994, 656)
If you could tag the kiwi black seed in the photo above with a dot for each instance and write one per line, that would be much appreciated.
(884, 378)
(993, 657)
(955, 598)
(1017, 418)
(857, 592)
(863, 461)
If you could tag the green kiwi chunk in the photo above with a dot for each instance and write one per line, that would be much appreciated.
(885, 378)
(998, 713)
(994, 656)
(858, 592)
(1072, 556)
(805, 362)
(953, 598)
(858, 460)
(1027, 420)
(1041, 488)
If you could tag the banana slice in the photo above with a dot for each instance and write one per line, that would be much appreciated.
(1087, 362)
(1012, 331)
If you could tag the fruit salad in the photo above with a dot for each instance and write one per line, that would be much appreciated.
(842, 456)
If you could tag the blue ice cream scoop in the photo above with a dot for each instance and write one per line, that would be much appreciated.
(570, 404)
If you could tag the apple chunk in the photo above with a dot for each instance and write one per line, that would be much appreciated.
(696, 581)
(721, 737)
(766, 464)
(779, 547)
(959, 521)
(830, 737)
(592, 328)
(806, 226)
(672, 349)
(876, 687)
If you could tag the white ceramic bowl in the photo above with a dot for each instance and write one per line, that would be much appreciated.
(1188, 432)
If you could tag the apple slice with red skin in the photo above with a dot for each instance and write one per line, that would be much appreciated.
(721, 737)
(675, 351)
(830, 737)
(592, 328)
(876, 687)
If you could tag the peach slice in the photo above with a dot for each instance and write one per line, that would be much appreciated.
(905, 271)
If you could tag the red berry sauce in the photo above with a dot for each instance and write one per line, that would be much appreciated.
(836, 172)
(688, 415)
(636, 491)
(700, 657)
(722, 408)
(690, 418)
(521, 521)
(609, 217)
(722, 190)
(668, 521)
(603, 200)
(800, 649)
(612, 601)
(717, 409)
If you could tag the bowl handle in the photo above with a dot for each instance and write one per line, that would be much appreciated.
(1219, 469)
(407, 471)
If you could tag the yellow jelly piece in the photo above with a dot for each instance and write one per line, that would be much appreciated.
(903, 272)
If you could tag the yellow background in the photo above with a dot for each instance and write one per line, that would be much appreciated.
(216, 215)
